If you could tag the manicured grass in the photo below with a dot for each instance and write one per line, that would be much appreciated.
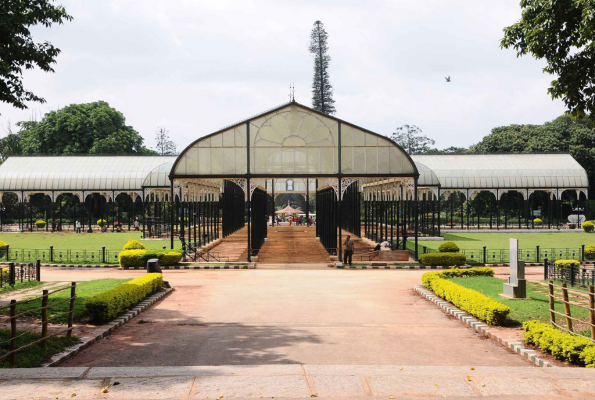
(536, 306)
(80, 241)
(34, 356)
(84, 290)
(6, 288)
(495, 240)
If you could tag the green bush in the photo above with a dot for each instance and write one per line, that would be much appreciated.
(588, 226)
(448, 247)
(563, 346)
(134, 245)
(101, 222)
(469, 300)
(5, 275)
(107, 305)
(40, 223)
(590, 252)
(444, 259)
(169, 257)
(537, 221)
(139, 258)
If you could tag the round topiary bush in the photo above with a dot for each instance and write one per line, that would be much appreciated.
(590, 252)
(40, 223)
(537, 221)
(448, 247)
(2, 248)
(588, 226)
(101, 222)
(134, 245)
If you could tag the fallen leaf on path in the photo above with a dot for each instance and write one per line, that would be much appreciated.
(73, 395)
(483, 385)
(472, 369)
(436, 385)
(116, 383)
(105, 389)
(468, 378)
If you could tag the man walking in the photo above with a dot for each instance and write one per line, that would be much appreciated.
(349, 248)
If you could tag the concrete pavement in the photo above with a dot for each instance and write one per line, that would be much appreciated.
(297, 381)
(261, 317)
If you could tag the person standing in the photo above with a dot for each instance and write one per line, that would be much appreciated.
(349, 248)
(78, 226)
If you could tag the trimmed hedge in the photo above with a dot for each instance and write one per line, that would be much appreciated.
(448, 247)
(134, 245)
(560, 264)
(107, 305)
(537, 221)
(588, 226)
(444, 259)
(139, 258)
(40, 223)
(5, 275)
(563, 346)
(101, 222)
(590, 252)
(469, 300)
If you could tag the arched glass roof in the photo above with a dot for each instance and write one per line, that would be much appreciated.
(61, 173)
(159, 177)
(427, 177)
(293, 140)
(500, 171)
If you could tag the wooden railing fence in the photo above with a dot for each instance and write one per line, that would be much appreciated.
(45, 305)
(588, 298)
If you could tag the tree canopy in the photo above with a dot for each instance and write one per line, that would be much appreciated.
(322, 90)
(563, 33)
(93, 128)
(18, 51)
(409, 137)
(564, 134)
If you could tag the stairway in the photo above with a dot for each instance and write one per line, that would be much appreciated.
(292, 244)
(233, 248)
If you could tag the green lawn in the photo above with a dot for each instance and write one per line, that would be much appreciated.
(80, 241)
(496, 240)
(536, 306)
(34, 356)
(84, 290)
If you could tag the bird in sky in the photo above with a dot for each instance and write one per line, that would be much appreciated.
(447, 78)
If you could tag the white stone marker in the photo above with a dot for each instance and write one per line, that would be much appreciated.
(516, 288)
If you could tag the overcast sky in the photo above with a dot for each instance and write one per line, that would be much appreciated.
(196, 66)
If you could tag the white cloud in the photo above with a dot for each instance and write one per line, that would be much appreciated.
(195, 66)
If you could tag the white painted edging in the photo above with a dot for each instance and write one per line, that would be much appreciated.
(481, 327)
(104, 330)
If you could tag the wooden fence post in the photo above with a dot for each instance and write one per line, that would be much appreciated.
(38, 270)
(591, 312)
(44, 317)
(13, 332)
(566, 306)
(552, 313)
(71, 314)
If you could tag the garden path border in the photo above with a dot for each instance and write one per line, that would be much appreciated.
(105, 330)
(482, 327)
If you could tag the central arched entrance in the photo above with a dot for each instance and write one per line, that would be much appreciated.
(351, 174)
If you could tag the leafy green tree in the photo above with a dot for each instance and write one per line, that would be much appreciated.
(322, 90)
(563, 33)
(409, 137)
(18, 51)
(165, 146)
(448, 150)
(93, 128)
(564, 134)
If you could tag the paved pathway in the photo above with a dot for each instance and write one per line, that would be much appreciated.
(297, 382)
(259, 317)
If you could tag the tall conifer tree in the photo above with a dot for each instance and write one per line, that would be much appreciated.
(322, 90)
